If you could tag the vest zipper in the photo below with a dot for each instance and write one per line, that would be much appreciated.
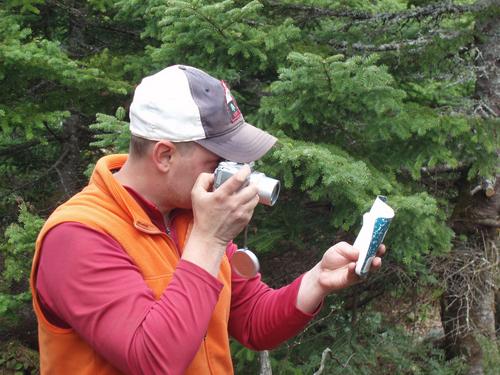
(172, 242)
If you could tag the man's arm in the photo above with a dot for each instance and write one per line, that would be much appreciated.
(262, 318)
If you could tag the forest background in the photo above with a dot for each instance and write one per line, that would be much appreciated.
(392, 97)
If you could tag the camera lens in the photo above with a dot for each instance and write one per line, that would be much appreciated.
(275, 193)
(269, 188)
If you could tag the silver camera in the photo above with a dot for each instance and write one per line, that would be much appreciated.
(268, 188)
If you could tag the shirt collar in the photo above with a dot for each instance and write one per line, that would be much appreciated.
(149, 208)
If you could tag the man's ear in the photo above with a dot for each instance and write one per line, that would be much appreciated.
(162, 155)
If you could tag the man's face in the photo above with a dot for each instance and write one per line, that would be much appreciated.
(186, 168)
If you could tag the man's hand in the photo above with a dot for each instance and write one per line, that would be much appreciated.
(222, 214)
(219, 216)
(335, 271)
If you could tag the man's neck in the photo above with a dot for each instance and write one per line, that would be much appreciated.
(137, 177)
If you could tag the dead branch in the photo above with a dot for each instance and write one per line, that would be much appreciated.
(265, 363)
(433, 10)
(485, 109)
(487, 186)
(438, 169)
(488, 223)
(318, 321)
(328, 352)
(396, 46)
(462, 273)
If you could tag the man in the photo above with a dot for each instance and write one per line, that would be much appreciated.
(133, 275)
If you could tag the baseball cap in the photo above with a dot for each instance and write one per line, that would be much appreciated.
(182, 103)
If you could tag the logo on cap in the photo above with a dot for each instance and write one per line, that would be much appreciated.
(231, 104)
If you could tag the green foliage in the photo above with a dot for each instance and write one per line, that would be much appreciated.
(348, 111)
(335, 101)
(43, 85)
(326, 172)
(10, 306)
(24, 6)
(491, 354)
(377, 348)
(17, 252)
(353, 120)
(19, 245)
(371, 346)
(227, 38)
(16, 359)
(244, 359)
(481, 146)
(429, 233)
(112, 133)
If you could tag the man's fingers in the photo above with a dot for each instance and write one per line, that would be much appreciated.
(235, 182)
(204, 181)
(347, 251)
(251, 202)
(376, 263)
(381, 250)
(341, 277)
(247, 194)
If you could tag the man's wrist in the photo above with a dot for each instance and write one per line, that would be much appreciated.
(204, 251)
(310, 294)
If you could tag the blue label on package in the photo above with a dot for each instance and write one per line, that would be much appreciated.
(379, 230)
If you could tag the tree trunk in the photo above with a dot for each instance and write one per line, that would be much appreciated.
(71, 164)
(497, 308)
(468, 303)
(75, 133)
(488, 61)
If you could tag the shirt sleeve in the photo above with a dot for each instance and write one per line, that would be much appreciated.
(261, 317)
(87, 281)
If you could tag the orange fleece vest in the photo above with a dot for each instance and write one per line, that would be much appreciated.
(106, 206)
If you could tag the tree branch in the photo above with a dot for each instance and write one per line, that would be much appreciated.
(419, 42)
(327, 352)
(484, 222)
(45, 173)
(432, 10)
(9, 151)
(487, 185)
(87, 20)
(46, 126)
(265, 363)
(444, 169)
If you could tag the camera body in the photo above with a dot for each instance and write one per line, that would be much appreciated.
(268, 188)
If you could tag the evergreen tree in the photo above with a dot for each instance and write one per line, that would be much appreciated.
(366, 98)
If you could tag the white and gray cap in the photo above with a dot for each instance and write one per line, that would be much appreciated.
(182, 103)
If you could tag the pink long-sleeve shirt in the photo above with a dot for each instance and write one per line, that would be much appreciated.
(86, 281)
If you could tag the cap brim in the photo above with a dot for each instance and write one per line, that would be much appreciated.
(243, 145)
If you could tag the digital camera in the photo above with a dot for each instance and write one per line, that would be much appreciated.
(268, 188)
